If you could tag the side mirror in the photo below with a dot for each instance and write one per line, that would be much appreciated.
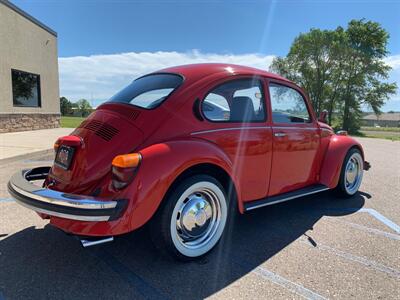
(322, 116)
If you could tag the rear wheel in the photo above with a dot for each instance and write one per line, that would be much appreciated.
(351, 173)
(192, 219)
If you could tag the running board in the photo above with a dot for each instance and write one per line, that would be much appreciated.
(285, 197)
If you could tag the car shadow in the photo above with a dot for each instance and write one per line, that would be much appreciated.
(46, 263)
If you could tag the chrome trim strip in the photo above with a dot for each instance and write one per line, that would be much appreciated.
(65, 216)
(297, 128)
(228, 129)
(250, 127)
(286, 199)
(62, 199)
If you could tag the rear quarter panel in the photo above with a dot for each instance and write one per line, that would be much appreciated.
(161, 164)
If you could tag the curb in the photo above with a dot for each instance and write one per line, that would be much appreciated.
(31, 155)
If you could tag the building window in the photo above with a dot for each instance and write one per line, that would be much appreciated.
(26, 89)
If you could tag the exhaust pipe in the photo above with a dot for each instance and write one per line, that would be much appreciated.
(89, 243)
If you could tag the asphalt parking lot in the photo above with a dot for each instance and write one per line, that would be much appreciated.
(317, 247)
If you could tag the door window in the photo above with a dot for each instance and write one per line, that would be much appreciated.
(288, 105)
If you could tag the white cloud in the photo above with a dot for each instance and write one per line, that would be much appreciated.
(394, 61)
(100, 76)
(394, 102)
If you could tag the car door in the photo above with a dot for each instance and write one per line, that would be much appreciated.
(295, 136)
(236, 113)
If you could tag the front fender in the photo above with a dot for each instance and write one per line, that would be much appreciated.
(337, 149)
(161, 164)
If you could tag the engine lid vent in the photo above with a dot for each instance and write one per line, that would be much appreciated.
(103, 130)
(127, 110)
(134, 114)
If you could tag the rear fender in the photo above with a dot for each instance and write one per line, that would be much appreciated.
(161, 165)
(336, 152)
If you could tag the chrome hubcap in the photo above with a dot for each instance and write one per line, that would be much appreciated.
(195, 216)
(198, 218)
(354, 171)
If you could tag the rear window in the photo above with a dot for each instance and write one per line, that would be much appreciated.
(148, 91)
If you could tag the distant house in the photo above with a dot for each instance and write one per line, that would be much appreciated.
(382, 120)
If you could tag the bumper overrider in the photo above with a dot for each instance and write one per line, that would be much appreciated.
(59, 204)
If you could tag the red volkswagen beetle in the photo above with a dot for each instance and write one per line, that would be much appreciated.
(183, 148)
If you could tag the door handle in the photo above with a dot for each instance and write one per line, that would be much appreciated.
(279, 134)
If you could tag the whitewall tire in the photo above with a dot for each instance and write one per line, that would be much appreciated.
(351, 173)
(192, 220)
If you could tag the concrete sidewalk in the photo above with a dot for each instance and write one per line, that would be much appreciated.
(25, 143)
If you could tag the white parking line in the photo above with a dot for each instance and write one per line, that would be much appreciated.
(375, 214)
(382, 218)
(287, 284)
(362, 260)
(389, 235)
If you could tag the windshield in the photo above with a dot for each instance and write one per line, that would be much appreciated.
(148, 91)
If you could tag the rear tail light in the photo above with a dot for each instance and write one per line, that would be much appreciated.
(124, 168)
(69, 140)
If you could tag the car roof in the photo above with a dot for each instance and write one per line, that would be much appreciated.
(197, 71)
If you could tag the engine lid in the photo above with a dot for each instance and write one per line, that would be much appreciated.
(104, 135)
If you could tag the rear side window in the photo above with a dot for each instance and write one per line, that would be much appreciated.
(288, 105)
(148, 91)
(235, 101)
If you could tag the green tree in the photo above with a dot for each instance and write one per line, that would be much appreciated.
(65, 106)
(84, 107)
(341, 69)
(366, 44)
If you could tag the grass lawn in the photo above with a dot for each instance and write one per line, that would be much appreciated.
(391, 129)
(71, 122)
(394, 136)
(389, 133)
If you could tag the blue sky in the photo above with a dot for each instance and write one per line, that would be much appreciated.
(152, 34)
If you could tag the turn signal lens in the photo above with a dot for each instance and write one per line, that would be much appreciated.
(341, 132)
(131, 160)
(124, 168)
(56, 145)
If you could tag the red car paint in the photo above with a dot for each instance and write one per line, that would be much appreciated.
(171, 140)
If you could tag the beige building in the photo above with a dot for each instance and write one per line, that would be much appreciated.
(391, 119)
(29, 90)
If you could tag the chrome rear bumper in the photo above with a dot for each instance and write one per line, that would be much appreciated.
(59, 204)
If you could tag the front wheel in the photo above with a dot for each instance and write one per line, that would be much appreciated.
(351, 173)
(192, 219)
